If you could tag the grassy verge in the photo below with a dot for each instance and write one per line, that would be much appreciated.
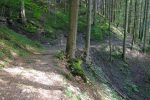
(14, 45)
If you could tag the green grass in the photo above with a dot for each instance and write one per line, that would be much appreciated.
(13, 45)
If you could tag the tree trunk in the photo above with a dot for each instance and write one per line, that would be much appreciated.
(110, 20)
(95, 12)
(130, 16)
(125, 31)
(87, 44)
(135, 28)
(71, 40)
(146, 24)
(23, 15)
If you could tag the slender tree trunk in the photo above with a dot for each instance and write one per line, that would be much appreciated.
(125, 30)
(23, 15)
(55, 19)
(71, 40)
(130, 16)
(87, 43)
(146, 24)
(95, 12)
(141, 21)
(110, 20)
(135, 25)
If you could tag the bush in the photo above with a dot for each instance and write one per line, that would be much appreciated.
(76, 69)
(60, 55)
(99, 30)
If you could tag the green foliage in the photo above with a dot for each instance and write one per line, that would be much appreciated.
(68, 92)
(33, 9)
(60, 55)
(131, 87)
(74, 94)
(13, 44)
(76, 68)
(97, 33)
(99, 30)
(5, 52)
(148, 74)
(117, 52)
(56, 21)
(30, 28)
(18, 39)
(82, 24)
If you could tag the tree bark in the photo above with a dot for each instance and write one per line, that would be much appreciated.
(146, 24)
(87, 44)
(95, 12)
(125, 30)
(71, 40)
(23, 15)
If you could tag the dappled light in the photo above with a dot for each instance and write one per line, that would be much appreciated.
(74, 50)
(136, 54)
(35, 76)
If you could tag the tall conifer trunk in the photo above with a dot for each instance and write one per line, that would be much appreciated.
(71, 40)
(87, 44)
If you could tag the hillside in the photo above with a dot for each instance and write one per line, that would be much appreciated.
(74, 50)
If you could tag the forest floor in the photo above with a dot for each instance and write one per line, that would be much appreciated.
(43, 77)
(129, 78)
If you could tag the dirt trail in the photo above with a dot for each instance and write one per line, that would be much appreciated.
(34, 78)
(38, 77)
(43, 77)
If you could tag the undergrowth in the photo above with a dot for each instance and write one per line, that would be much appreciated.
(75, 66)
(14, 45)
(99, 30)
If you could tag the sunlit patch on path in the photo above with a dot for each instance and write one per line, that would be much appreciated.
(35, 76)
(18, 82)
(38, 77)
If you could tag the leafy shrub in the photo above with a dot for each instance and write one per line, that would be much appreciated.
(30, 28)
(60, 55)
(99, 30)
(117, 52)
(131, 87)
(97, 33)
(76, 69)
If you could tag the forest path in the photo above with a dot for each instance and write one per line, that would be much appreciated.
(35, 78)
(43, 77)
